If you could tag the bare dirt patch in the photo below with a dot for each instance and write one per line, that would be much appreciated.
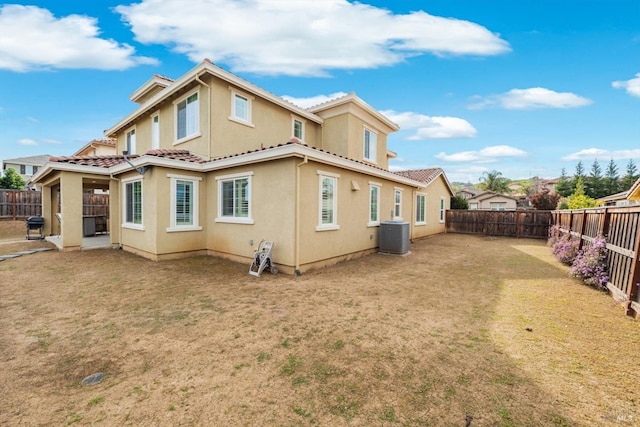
(435, 338)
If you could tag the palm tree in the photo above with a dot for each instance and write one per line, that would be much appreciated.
(493, 181)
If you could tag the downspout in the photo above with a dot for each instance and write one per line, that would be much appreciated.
(208, 115)
(297, 238)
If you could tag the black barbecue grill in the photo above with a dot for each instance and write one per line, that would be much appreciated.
(35, 224)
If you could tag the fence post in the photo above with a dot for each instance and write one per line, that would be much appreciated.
(582, 228)
(634, 280)
(605, 224)
(13, 204)
(484, 223)
(517, 224)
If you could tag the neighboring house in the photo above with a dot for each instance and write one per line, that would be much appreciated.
(548, 184)
(630, 197)
(26, 166)
(215, 164)
(468, 193)
(98, 147)
(490, 200)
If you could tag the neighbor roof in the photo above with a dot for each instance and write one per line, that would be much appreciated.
(30, 160)
(106, 142)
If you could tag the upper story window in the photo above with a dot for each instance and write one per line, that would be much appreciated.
(241, 105)
(421, 209)
(155, 131)
(184, 203)
(131, 141)
(34, 169)
(498, 206)
(187, 117)
(23, 169)
(370, 145)
(234, 198)
(133, 203)
(328, 201)
(397, 204)
(298, 129)
(374, 204)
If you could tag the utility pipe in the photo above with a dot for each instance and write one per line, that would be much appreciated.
(208, 115)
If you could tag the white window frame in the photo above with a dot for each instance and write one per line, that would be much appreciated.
(443, 208)
(229, 218)
(374, 222)
(333, 177)
(293, 128)
(500, 206)
(397, 204)
(195, 205)
(247, 121)
(421, 216)
(125, 223)
(195, 132)
(473, 206)
(370, 145)
(155, 130)
(130, 140)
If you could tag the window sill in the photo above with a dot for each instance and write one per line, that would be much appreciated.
(242, 122)
(373, 224)
(231, 220)
(420, 223)
(133, 226)
(327, 227)
(183, 228)
(187, 138)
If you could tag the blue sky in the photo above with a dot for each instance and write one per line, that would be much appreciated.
(524, 87)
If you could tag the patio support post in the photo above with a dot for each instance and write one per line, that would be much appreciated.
(71, 195)
(46, 210)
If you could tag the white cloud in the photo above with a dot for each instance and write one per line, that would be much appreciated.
(33, 39)
(27, 141)
(32, 119)
(532, 98)
(313, 100)
(301, 37)
(431, 127)
(599, 153)
(486, 155)
(51, 141)
(632, 86)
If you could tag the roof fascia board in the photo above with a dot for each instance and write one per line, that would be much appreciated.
(214, 70)
(352, 97)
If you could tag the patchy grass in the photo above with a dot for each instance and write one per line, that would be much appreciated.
(466, 329)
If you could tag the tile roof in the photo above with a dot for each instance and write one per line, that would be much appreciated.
(103, 141)
(422, 175)
(184, 155)
(96, 161)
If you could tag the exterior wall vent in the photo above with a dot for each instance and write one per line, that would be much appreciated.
(394, 237)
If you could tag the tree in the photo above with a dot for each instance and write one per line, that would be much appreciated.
(631, 177)
(578, 174)
(579, 200)
(545, 200)
(594, 184)
(611, 179)
(564, 186)
(459, 203)
(12, 180)
(493, 181)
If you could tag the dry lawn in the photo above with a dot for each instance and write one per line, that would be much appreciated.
(439, 337)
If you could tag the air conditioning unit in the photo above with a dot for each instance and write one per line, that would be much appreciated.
(394, 237)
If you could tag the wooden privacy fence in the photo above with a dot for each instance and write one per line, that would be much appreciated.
(16, 205)
(621, 229)
(530, 223)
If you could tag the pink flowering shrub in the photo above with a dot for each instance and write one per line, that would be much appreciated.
(590, 264)
(565, 249)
